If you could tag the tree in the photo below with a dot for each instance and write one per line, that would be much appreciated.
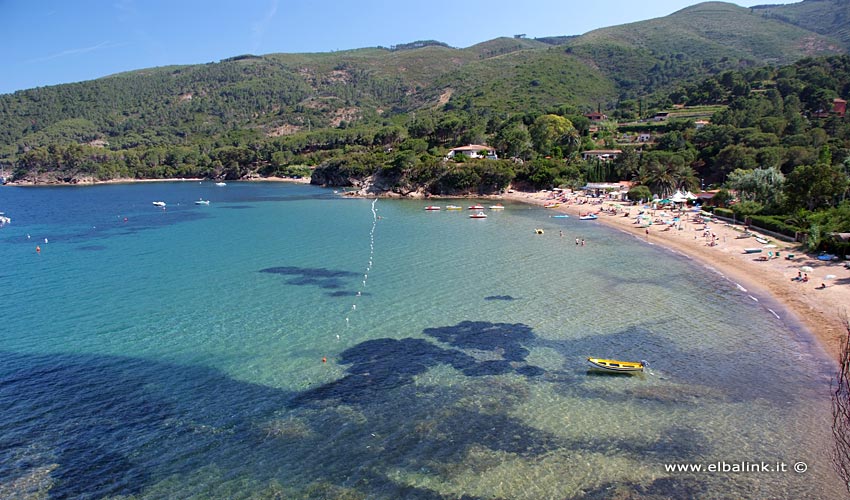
(513, 140)
(664, 173)
(815, 186)
(639, 192)
(762, 185)
(549, 131)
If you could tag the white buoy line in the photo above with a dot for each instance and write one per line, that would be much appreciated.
(368, 265)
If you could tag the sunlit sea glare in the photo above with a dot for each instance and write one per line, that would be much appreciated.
(288, 340)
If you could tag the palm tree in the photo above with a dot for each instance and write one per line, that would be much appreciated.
(665, 177)
(659, 177)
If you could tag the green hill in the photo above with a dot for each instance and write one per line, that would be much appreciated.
(264, 97)
(826, 17)
(706, 38)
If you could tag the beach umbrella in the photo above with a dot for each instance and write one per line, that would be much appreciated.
(806, 269)
(829, 277)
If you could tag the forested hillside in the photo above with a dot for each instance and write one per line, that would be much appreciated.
(385, 117)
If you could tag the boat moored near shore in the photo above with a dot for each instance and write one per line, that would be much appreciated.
(613, 365)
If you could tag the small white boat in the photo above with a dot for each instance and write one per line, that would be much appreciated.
(476, 207)
(221, 184)
(479, 215)
(453, 207)
(432, 207)
(158, 203)
(761, 240)
(498, 206)
(202, 202)
(4, 220)
(588, 217)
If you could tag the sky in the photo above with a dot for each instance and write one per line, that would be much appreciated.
(48, 42)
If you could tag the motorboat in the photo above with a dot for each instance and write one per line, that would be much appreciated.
(432, 207)
(613, 365)
(453, 207)
(202, 202)
(158, 203)
(476, 207)
(4, 220)
(588, 217)
(479, 215)
(752, 250)
(221, 184)
(498, 206)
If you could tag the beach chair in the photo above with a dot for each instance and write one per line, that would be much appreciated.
(789, 256)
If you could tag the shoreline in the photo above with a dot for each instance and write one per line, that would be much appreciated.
(92, 182)
(819, 311)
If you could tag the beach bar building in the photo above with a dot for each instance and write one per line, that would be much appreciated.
(614, 190)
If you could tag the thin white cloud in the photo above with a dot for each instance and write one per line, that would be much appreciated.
(259, 28)
(71, 52)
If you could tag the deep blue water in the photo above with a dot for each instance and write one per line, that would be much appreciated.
(179, 353)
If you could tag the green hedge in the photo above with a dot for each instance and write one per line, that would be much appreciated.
(724, 212)
(775, 223)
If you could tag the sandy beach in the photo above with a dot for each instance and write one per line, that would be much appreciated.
(818, 309)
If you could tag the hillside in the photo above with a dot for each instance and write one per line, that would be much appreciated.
(696, 41)
(260, 98)
(826, 17)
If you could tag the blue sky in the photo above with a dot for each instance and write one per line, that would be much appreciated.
(60, 41)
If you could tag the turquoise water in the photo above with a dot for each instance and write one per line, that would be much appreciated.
(179, 354)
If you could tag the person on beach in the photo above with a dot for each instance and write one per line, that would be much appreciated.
(582, 242)
(576, 241)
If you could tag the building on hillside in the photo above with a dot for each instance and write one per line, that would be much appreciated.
(701, 123)
(839, 107)
(474, 151)
(596, 117)
(661, 116)
(601, 154)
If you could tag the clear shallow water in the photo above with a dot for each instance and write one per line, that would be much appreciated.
(179, 354)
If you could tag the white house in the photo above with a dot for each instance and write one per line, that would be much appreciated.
(474, 151)
(601, 154)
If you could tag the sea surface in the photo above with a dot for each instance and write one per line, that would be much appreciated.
(285, 341)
